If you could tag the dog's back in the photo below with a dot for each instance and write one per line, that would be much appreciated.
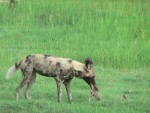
(47, 65)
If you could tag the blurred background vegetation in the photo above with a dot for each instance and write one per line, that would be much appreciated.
(114, 33)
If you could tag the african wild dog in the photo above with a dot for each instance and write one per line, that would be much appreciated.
(61, 69)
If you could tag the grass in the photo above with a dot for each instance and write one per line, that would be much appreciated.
(113, 84)
(114, 33)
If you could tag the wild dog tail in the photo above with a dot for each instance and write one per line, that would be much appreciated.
(12, 69)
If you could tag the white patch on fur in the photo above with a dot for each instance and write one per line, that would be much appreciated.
(10, 71)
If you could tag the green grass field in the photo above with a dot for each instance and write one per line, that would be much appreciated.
(114, 33)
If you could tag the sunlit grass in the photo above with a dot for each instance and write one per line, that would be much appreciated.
(114, 33)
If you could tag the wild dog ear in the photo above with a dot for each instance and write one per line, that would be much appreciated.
(88, 63)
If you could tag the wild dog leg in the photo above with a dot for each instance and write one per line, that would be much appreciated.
(29, 84)
(59, 90)
(22, 83)
(94, 93)
(67, 85)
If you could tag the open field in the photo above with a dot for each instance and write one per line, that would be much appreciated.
(113, 85)
(114, 33)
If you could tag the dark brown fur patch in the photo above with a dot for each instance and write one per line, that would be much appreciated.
(88, 61)
(70, 61)
(28, 59)
(46, 56)
(50, 62)
(90, 81)
(18, 64)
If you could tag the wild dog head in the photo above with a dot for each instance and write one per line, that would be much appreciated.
(90, 77)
